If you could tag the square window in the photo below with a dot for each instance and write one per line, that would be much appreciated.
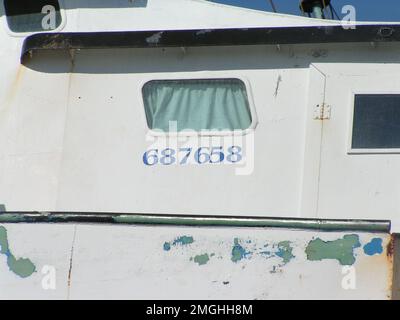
(32, 15)
(197, 104)
(376, 121)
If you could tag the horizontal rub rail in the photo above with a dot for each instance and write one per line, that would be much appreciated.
(186, 220)
(209, 37)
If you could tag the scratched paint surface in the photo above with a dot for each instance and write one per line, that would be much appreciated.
(149, 262)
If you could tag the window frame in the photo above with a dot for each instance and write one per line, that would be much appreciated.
(371, 151)
(204, 133)
(25, 34)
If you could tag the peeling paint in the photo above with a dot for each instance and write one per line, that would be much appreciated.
(155, 38)
(285, 251)
(22, 267)
(341, 249)
(373, 247)
(238, 252)
(266, 253)
(201, 259)
(183, 240)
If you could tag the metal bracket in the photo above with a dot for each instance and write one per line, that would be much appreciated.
(322, 112)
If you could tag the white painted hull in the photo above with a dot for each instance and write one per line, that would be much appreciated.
(148, 262)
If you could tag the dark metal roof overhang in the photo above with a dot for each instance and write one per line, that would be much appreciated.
(209, 37)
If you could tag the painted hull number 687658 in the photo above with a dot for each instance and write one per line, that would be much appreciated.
(202, 155)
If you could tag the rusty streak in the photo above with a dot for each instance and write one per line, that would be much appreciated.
(70, 262)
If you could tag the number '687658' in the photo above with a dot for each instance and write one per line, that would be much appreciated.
(202, 155)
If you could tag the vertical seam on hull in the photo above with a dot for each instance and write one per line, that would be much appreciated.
(320, 145)
(64, 133)
(71, 262)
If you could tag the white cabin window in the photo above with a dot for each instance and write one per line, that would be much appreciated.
(376, 121)
(197, 104)
(32, 15)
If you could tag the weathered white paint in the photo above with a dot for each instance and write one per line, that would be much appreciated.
(348, 181)
(79, 145)
(130, 262)
(73, 133)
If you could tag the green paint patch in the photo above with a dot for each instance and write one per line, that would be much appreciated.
(22, 267)
(341, 249)
(238, 252)
(3, 241)
(182, 241)
(285, 251)
(201, 259)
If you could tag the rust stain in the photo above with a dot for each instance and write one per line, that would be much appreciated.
(390, 261)
(390, 247)
(71, 262)
(390, 251)
(15, 85)
(378, 264)
(55, 41)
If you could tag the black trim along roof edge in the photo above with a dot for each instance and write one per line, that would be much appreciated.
(209, 37)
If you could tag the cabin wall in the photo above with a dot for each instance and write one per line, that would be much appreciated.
(53, 101)
(73, 129)
(92, 160)
(74, 132)
(352, 182)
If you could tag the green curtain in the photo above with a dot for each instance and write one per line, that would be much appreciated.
(209, 104)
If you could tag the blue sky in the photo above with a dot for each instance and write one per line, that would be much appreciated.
(367, 10)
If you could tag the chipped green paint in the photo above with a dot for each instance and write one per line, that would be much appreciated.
(3, 240)
(183, 240)
(201, 259)
(22, 267)
(341, 249)
(238, 252)
(285, 251)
